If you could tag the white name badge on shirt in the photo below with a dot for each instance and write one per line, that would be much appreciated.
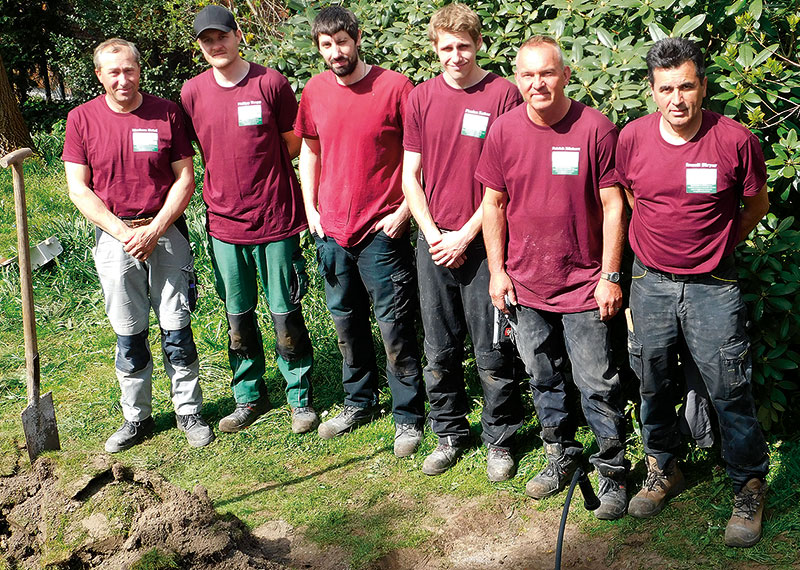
(249, 113)
(566, 160)
(701, 178)
(475, 123)
(145, 140)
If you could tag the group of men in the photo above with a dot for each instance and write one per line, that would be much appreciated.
(519, 196)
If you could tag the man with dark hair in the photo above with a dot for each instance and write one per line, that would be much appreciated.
(554, 231)
(351, 121)
(686, 172)
(242, 115)
(129, 171)
(446, 125)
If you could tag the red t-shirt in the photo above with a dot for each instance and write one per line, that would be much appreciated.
(553, 176)
(129, 155)
(686, 215)
(250, 187)
(448, 127)
(360, 131)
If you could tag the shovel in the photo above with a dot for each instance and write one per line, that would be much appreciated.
(39, 418)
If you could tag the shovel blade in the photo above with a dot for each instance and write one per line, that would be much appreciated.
(39, 425)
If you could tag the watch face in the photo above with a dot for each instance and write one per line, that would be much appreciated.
(613, 276)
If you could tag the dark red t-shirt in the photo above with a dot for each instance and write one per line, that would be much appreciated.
(129, 155)
(553, 176)
(360, 131)
(250, 186)
(686, 215)
(448, 127)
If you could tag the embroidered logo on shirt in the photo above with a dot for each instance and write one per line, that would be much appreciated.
(701, 178)
(475, 123)
(249, 113)
(145, 140)
(566, 160)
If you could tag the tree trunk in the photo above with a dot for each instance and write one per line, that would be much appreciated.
(13, 131)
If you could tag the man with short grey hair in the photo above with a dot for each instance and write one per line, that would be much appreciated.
(128, 163)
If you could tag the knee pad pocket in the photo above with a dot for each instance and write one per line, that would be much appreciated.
(244, 339)
(133, 353)
(291, 335)
(179, 348)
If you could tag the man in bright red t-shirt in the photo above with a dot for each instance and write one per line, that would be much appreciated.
(242, 115)
(351, 122)
(445, 128)
(687, 171)
(553, 225)
(128, 163)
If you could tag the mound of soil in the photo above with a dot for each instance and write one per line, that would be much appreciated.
(119, 519)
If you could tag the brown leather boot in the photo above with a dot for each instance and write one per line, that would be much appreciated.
(744, 528)
(659, 486)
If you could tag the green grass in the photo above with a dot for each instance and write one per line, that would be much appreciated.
(349, 492)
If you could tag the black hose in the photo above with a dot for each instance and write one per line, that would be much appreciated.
(590, 503)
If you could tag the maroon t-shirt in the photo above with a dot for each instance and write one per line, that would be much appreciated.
(448, 127)
(553, 176)
(360, 131)
(686, 215)
(250, 187)
(129, 155)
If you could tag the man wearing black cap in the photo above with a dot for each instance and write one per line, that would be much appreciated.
(242, 115)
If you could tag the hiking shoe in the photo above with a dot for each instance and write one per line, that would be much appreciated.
(406, 439)
(198, 432)
(499, 464)
(243, 416)
(442, 459)
(613, 498)
(744, 528)
(349, 418)
(555, 476)
(304, 419)
(658, 487)
(130, 434)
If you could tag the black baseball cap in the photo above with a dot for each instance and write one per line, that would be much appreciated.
(214, 17)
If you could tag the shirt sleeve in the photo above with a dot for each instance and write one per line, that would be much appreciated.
(74, 151)
(181, 146)
(304, 126)
(412, 133)
(606, 150)
(185, 103)
(754, 168)
(285, 104)
(490, 169)
(621, 160)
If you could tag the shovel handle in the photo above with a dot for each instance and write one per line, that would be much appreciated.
(15, 160)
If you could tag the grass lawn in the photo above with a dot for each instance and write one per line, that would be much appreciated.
(348, 495)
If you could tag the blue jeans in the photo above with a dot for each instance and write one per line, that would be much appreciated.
(380, 269)
(707, 310)
(456, 302)
(544, 341)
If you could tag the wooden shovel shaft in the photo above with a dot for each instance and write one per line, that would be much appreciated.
(24, 254)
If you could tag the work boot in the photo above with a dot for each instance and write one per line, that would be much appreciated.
(243, 416)
(198, 432)
(349, 418)
(744, 528)
(499, 464)
(304, 419)
(658, 487)
(442, 459)
(130, 434)
(406, 439)
(555, 476)
(613, 498)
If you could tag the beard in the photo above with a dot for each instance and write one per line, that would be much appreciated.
(347, 68)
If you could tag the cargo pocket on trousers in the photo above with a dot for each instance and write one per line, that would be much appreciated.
(735, 367)
(404, 290)
(635, 354)
(192, 291)
(298, 285)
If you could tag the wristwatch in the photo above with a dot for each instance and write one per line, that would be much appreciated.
(613, 276)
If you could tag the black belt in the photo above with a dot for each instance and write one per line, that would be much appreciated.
(726, 264)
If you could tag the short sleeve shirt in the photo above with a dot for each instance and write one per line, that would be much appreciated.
(360, 132)
(250, 187)
(448, 127)
(687, 197)
(552, 176)
(129, 155)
